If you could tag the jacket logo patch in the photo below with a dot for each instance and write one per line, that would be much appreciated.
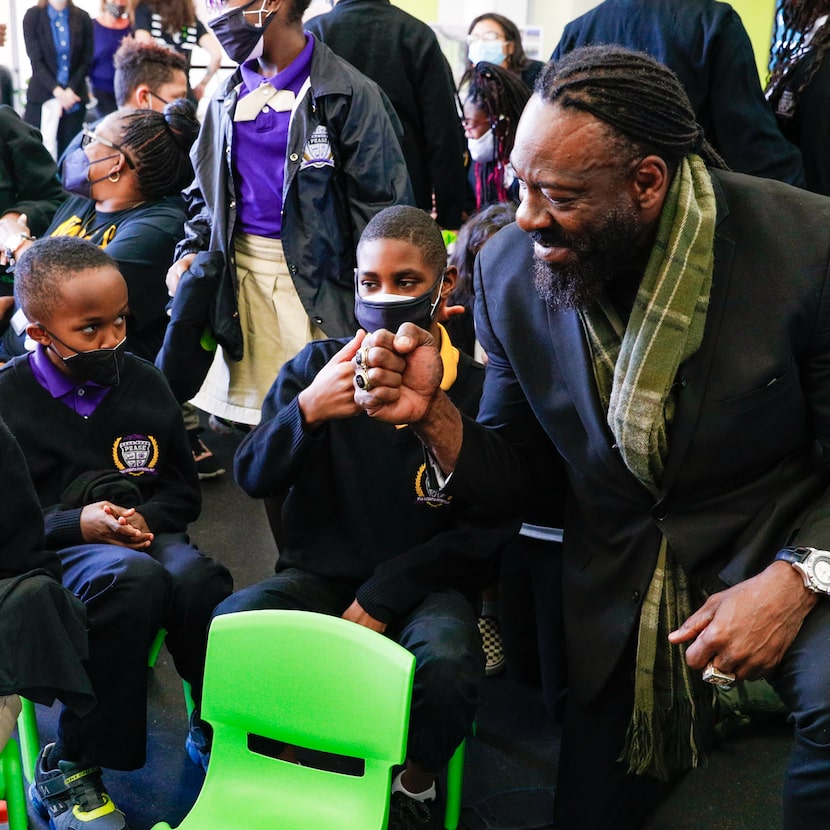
(426, 493)
(135, 454)
(317, 152)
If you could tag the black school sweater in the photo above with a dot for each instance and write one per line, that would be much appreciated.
(359, 509)
(136, 431)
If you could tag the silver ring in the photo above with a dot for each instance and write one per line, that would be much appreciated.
(717, 677)
(362, 380)
(361, 359)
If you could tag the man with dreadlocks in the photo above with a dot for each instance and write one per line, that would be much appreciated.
(799, 85)
(705, 43)
(676, 353)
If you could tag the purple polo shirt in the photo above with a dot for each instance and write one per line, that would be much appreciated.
(81, 397)
(259, 149)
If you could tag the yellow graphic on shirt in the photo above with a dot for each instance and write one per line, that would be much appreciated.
(76, 226)
(426, 493)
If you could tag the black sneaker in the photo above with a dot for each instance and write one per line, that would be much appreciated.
(207, 464)
(197, 742)
(407, 813)
(73, 797)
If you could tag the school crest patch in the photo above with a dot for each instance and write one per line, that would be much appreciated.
(426, 492)
(135, 454)
(318, 152)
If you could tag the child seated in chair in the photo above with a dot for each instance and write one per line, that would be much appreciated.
(107, 452)
(364, 534)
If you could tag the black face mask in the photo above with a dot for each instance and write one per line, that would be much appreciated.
(101, 366)
(75, 174)
(390, 311)
(242, 40)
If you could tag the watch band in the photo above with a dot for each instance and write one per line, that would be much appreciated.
(793, 555)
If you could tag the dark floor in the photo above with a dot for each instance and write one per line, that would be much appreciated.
(511, 763)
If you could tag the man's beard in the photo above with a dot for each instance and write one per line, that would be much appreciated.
(598, 255)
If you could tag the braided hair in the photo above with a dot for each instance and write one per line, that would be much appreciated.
(796, 43)
(159, 146)
(501, 96)
(639, 98)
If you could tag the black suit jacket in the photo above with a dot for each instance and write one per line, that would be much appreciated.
(745, 472)
(40, 47)
(705, 43)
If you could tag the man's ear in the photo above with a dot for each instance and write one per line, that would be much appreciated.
(141, 97)
(649, 183)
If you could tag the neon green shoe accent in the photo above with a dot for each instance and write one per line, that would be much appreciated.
(105, 809)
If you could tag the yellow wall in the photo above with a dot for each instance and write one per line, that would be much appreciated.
(426, 10)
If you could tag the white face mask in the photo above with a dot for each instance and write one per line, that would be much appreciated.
(491, 51)
(482, 148)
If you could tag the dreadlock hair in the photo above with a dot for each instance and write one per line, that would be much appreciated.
(501, 96)
(47, 265)
(143, 63)
(794, 47)
(640, 99)
(159, 146)
(409, 224)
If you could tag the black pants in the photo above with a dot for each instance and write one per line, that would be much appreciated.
(129, 595)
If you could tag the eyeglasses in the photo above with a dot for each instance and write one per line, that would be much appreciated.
(88, 137)
(487, 37)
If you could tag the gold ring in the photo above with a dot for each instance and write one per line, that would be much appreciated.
(361, 359)
(362, 380)
(717, 677)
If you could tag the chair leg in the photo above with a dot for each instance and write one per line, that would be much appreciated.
(455, 780)
(155, 648)
(29, 738)
(15, 792)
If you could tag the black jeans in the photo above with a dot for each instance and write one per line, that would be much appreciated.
(441, 632)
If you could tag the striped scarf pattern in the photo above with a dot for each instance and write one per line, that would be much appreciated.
(635, 366)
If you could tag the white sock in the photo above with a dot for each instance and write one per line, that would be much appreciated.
(426, 795)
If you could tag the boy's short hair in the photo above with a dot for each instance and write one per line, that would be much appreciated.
(143, 63)
(45, 267)
(409, 224)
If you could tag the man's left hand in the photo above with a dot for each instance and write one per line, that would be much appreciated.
(355, 613)
(746, 630)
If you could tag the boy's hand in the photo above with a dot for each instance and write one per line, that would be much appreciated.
(175, 271)
(355, 613)
(113, 525)
(331, 394)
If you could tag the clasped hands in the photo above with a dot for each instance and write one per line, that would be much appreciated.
(107, 523)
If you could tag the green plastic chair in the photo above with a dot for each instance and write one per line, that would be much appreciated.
(312, 681)
(12, 790)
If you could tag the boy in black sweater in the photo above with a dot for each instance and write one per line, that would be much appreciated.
(364, 534)
(107, 451)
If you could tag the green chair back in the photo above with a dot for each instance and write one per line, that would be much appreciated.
(312, 681)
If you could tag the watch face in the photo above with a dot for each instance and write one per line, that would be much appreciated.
(821, 571)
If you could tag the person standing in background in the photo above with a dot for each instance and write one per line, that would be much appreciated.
(716, 67)
(402, 56)
(496, 39)
(110, 28)
(59, 42)
(174, 23)
(799, 85)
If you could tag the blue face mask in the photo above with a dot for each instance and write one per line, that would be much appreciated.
(243, 41)
(491, 51)
(391, 311)
(75, 174)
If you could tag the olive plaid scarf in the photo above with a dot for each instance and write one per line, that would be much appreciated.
(635, 367)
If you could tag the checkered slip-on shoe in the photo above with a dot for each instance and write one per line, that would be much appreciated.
(491, 642)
